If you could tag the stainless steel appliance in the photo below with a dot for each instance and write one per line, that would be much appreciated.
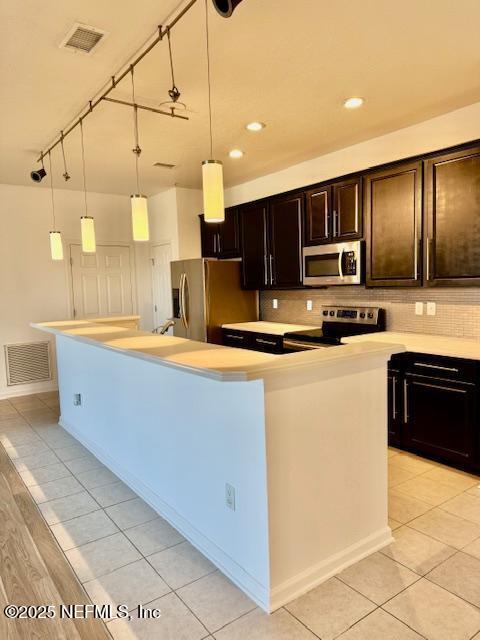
(338, 322)
(330, 264)
(207, 294)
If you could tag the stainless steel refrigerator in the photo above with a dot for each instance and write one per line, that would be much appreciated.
(205, 295)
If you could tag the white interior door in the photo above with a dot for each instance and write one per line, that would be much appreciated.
(161, 281)
(101, 281)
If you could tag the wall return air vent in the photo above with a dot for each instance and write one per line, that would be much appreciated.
(27, 362)
(83, 38)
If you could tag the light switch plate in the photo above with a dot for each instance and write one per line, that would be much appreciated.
(431, 308)
(309, 305)
(419, 308)
(77, 399)
(275, 303)
(230, 496)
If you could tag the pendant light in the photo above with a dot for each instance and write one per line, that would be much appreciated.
(140, 228)
(87, 224)
(56, 247)
(212, 170)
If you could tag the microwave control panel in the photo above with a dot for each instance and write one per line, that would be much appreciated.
(350, 265)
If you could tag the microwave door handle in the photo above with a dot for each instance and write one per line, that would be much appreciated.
(340, 261)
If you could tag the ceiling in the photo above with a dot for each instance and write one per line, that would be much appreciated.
(288, 64)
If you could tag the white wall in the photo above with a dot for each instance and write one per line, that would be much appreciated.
(447, 130)
(32, 286)
(189, 206)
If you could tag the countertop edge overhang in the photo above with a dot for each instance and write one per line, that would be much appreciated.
(267, 364)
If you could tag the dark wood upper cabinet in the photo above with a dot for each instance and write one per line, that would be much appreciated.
(393, 209)
(318, 215)
(222, 239)
(452, 220)
(285, 241)
(347, 210)
(333, 212)
(253, 233)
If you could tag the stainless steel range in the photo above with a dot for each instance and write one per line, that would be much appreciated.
(338, 322)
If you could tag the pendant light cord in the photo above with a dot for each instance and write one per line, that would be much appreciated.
(83, 164)
(137, 151)
(51, 190)
(209, 83)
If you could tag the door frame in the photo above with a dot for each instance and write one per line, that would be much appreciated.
(107, 243)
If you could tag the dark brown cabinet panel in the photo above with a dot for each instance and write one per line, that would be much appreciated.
(222, 239)
(318, 215)
(253, 232)
(347, 210)
(393, 206)
(394, 407)
(452, 219)
(285, 242)
(334, 212)
(440, 418)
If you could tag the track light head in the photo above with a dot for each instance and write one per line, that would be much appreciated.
(38, 174)
(226, 7)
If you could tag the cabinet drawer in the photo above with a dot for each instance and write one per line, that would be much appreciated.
(267, 342)
(235, 338)
(444, 367)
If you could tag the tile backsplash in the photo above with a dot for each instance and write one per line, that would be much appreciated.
(457, 310)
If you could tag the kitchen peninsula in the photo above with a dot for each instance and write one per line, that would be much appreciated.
(256, 458)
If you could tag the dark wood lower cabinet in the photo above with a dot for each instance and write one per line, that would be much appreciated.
(433, 408)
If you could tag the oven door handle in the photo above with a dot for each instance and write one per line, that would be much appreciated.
(340, 265)
(296, 345)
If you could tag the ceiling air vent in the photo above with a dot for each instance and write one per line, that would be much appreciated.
(82, 37)
(27, 362)
(164, 165)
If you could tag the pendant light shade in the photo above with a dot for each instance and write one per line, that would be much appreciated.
(140, 227)
(87, 226)
(212, 177)
(56, 246)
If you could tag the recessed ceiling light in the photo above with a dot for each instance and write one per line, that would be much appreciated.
(236, 153)
(255, 126)
(353, 103)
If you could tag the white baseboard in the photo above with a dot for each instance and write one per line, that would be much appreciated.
(249, 585)
(28, 389)
(313, 576)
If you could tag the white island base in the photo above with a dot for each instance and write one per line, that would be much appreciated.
(301, 438)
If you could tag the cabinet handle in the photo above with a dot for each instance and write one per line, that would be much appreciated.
(436, 366)
(394, 397)
(429, 242)
(265, 267)
(263, 341)
(214, 243)
(405, 402)
(335, 224)
(219, 243)
(271, 269)
(234, 337)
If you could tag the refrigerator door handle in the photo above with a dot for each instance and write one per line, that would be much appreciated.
(184, 297)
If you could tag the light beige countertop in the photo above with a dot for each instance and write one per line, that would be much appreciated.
(210, 360)
(273, 328)
(424, 343)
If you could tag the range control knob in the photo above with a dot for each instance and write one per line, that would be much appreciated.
(325, 313)
(332, 313)
(370, 315)
(362, 314)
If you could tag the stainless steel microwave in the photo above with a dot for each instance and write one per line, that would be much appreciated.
(330, 264)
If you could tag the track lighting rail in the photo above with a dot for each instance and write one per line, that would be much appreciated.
(142, 106)
(162, 31)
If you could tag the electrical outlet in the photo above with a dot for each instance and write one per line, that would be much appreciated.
(431, 308)
(77, 399)
(275, 303)
(419, 308)
(230, 496)
(309, 305)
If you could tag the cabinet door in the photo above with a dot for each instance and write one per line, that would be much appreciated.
(347, 210)
(394, 408)
(285, 242)
(393, 205)
(453, 219)
(228, 235)
(253, 232)
(318, 216)
(209, 238)
(440, 418)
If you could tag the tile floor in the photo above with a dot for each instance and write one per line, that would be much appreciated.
(424, 585)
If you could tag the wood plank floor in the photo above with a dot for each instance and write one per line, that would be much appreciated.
(33, 569)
